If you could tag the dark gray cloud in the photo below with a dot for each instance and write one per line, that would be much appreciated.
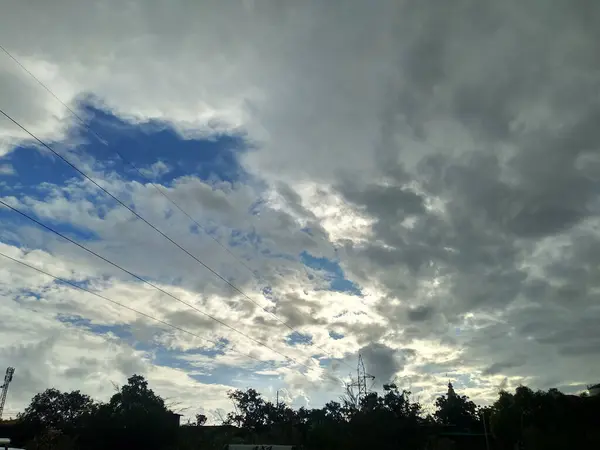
(128, 363)
(500, 367)
(85, 367)
(420, 313)
(384, 362)
(192, 320)
(464, 132)
(30, 377)
(384, 202)
(488, 122)
(293, 201)
(297, 311)
(195, 194)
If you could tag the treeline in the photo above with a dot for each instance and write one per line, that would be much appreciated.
(544, 420)
(135, 417)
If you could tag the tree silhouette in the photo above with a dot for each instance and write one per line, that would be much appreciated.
(53, 409)
(136, 399)
(249, 410)
(456, 410)
(200, 420)
(544, 419)
(134, 417)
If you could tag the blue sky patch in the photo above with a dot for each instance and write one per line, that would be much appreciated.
(232, 376)
(336, 336)
(297, 338)
(36, 168)
(121, 331)
(154, 147)
(207, 373)
(238, 238)
(162, 356)
(162, 155)
(13, 222)
(160, 152)
(332, 272)
(212, 352)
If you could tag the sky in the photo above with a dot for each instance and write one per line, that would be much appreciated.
(415, 182)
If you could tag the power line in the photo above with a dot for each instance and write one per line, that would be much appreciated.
(49, 91)
(125, 159)
(143, 280)
(148, 316)
(141, 174)
(120, 202)
(82, 333)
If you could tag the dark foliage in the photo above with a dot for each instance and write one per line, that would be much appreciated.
(61, 411)
(135, 418)
(457, 411)
(546, 420)
(376, 420)
(200, 420)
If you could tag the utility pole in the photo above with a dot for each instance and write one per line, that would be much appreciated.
(7, 379)
(485, 431)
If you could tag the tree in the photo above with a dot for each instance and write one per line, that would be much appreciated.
(134, 417)
(398, 402)
(544, 419)
(350, 399)
(254, 413)
(136, 399)
(456, 410)
(200, 420)
(249, 410)
(53, 409)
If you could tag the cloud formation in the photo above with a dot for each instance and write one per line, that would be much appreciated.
(445, 156)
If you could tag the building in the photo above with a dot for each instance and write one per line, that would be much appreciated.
(175, 419)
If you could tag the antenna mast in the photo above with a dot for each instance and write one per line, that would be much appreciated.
(7, 379)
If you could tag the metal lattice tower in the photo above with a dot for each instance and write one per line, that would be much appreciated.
(7, 379)
(361, 379)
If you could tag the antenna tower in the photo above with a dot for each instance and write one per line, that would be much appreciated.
(7, 379)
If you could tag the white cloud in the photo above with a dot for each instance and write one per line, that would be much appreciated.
(7, 169)
(47, 353)
(447, 150)
(156, 170)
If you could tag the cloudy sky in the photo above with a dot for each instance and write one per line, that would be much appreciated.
(413, 181)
